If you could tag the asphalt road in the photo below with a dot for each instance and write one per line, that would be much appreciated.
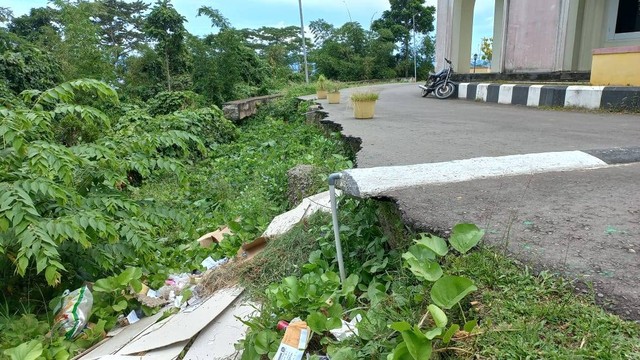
(584, 224)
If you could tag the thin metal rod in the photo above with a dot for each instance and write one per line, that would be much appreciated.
(304, 44)
(336, 225)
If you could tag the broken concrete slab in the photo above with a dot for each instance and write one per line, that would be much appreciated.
(309, 206)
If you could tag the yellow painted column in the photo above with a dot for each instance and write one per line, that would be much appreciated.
(616, 66)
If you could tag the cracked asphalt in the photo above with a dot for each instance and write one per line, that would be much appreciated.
(583, 224)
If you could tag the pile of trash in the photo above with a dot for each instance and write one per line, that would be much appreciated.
(208, 317)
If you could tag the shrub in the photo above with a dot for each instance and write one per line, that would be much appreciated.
(167, 102)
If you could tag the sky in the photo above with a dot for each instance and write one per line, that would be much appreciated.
(280, 13)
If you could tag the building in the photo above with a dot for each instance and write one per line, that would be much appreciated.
(547, 36)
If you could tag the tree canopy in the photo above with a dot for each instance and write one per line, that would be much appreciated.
(144, 49)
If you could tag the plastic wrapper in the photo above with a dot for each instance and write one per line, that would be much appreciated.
(74, 313)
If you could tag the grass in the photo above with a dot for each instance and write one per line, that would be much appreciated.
(364, 96)
(521, 314)
(525, 314)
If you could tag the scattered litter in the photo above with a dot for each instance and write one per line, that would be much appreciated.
(184, 325)
(282, 325)
(74, 313)
(211, 264)
(348, 329)
(217, 236)
(295, 341)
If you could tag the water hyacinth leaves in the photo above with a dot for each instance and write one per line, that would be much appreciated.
(465, 236)
(421, 261)
(439, 317)
(436, 244)
(416, 345)
(449, 290)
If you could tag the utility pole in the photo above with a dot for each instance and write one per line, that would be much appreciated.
(415, 58)
(304, 44)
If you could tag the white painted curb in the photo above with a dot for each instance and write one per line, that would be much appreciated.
(371, 182)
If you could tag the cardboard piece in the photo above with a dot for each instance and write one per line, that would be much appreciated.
(249, 250)
(122, 338)
(217, 236)
(217, 340)
(294, 342)
(166, 353)
(184, 325)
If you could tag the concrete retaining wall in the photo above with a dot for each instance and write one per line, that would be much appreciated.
(240, 109)
(588, 97)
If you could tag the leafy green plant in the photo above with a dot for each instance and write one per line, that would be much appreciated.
(113, 295)
(168, 102)
(322, 83)
(74, 198)
(446, 291)
(334, 87)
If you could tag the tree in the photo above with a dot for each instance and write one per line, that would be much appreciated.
(121, 27)
(487, 48)
(166, 26)
(225, 68)
(23, 66)
(80, 52)
(40, 26)
(5, 14)
(217, 20)
(279, 47)
(399, 19)
(321, 31)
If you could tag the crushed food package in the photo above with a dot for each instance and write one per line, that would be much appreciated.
(74, 313)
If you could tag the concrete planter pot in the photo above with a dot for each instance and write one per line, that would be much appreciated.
(334, 97)
(363, 109)
(321, 94)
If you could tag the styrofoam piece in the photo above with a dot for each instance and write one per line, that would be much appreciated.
(309, 206)
(184, 325)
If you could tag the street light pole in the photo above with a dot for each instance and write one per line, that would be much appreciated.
(415, 58)
(304, 45)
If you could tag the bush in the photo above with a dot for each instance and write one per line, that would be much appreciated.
(167, 102)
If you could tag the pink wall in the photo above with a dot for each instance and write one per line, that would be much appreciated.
(532, 35)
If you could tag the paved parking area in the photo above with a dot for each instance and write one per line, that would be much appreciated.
(582, 222)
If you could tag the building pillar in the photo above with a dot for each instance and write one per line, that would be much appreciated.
(454, 33)
(499, 28)
(462, 31)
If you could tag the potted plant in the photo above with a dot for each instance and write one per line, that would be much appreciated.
(321, 87)
(333, 94)
(364, 104)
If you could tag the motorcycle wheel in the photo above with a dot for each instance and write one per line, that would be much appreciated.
(425, 93)
(444, 91)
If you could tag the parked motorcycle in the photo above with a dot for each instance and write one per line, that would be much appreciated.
(440, 84)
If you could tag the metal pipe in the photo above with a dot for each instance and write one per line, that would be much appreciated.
(336, 226)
